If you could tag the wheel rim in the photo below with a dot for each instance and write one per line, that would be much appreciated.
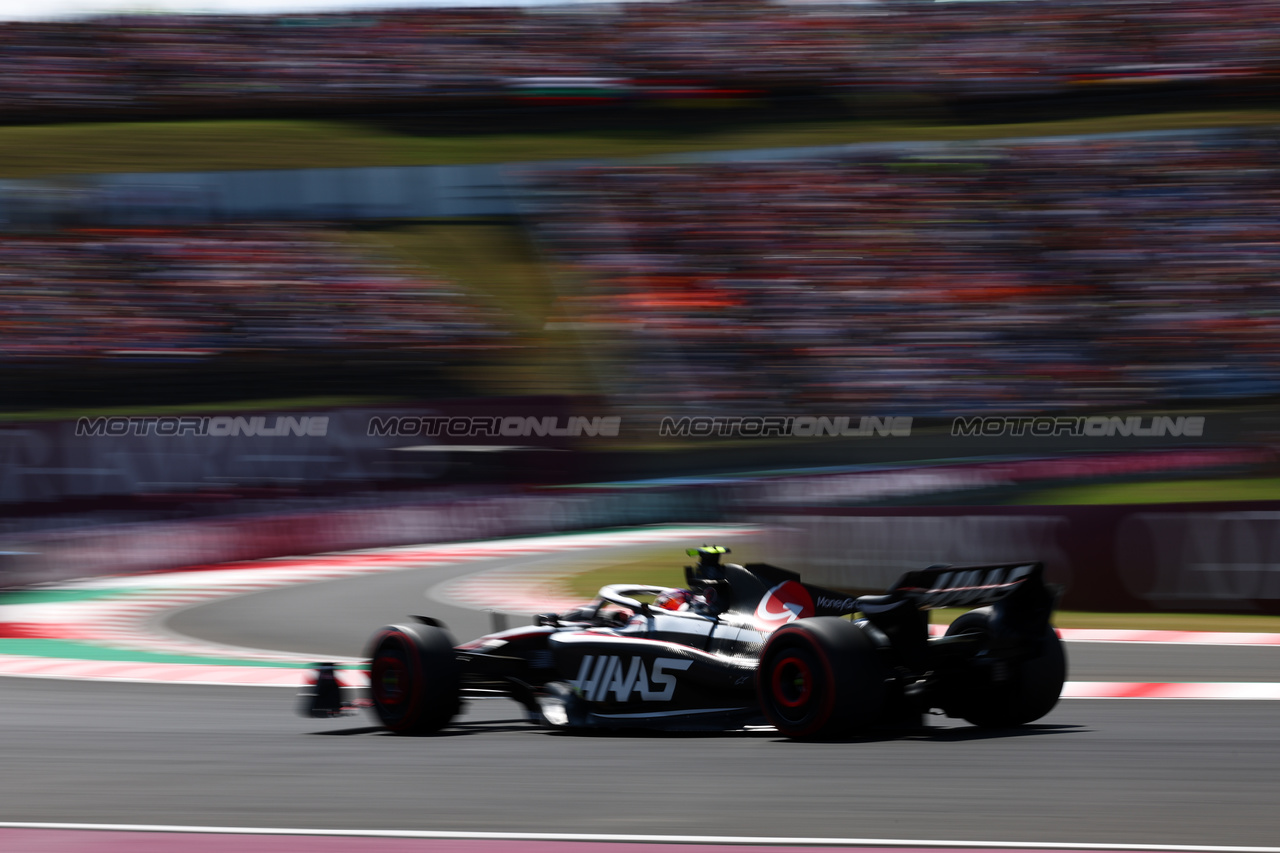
(792, 682)
(392, 683)
(388, 678)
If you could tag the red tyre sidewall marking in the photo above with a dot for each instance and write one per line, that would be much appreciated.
(823, 713)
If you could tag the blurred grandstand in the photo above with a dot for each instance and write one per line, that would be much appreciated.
(236, 288)
(1084, 274)
(1046, 275)
(1015, 276)
(643, 53)
(169, 316)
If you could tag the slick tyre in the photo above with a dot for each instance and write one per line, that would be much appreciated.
(1004, 695)
(821, 678)
(413, 678)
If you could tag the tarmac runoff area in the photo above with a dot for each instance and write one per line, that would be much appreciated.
(97, 766)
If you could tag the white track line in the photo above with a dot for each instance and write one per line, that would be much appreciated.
(603, 838)
(1257, 690)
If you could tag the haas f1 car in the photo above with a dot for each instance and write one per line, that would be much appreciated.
(742, 646)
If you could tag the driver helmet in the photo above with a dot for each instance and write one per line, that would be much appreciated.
(674, 599)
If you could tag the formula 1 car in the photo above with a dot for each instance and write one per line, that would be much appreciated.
(742, 646)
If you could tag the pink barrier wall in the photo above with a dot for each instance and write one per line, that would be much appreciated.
(1153, 557)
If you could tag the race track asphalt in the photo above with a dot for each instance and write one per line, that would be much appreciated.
(1104, 771)
(1108, 771)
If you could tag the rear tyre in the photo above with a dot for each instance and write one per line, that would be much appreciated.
(998, 694)
(414, 678)
(821, 678)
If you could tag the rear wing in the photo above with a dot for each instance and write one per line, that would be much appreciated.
(940, 586)
(1021, 603)
(965, 586)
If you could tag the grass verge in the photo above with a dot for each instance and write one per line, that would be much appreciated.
(179, 146)
(647, 571)
(1172, 491)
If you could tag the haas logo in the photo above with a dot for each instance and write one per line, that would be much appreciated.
(961, 589)
(598, 677)
(786, 602)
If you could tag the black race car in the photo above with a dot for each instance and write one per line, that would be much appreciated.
(745, 645)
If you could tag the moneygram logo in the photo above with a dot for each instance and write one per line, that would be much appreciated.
(842, 605)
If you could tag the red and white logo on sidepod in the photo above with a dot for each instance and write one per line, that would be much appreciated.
(786, 602)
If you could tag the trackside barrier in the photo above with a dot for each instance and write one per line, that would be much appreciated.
(126, 548)
(1170, 556)
(1211, 557)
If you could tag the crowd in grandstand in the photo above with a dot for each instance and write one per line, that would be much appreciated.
(910, 280)
(1005, 277)
(158, 62)
(217, 290)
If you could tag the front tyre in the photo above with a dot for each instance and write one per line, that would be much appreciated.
(414, 678)
(1005, 694)
(821, 678)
